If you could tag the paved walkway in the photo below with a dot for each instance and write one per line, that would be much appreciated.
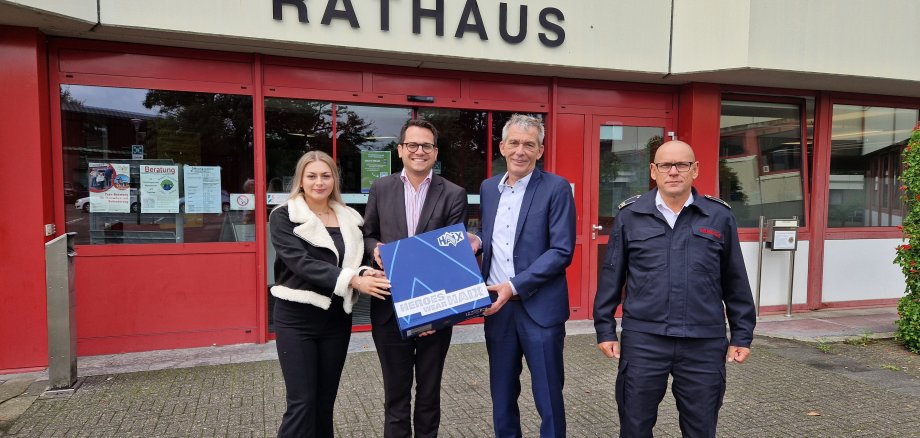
(861, 387)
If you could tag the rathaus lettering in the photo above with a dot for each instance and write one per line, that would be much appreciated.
(512, 25)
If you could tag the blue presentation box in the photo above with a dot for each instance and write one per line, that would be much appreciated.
(435, 280)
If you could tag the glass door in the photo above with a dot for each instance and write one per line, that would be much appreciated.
(620, 155)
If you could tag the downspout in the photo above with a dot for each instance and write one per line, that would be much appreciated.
(670, 42)
(99, 16)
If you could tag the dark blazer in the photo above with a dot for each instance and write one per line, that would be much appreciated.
(306, 260)
(385, 219)
(544, 242)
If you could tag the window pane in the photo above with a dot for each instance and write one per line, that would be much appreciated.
(366, 138)
(157, 166)
(462, 137)
(461, 145)
(866, 144)
(623, 168)
(760, 160)
(292, 127)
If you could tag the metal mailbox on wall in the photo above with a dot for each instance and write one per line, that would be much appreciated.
(782, 234)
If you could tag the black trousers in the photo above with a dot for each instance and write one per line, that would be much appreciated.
(698, 370)
(312, 345)
(422, 356)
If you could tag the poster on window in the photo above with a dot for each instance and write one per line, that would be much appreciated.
(159, 189)
(374, 164)
(202, 189)
(109, 188)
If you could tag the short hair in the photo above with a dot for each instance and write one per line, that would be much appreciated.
(307, 158)
(526, 122)
(420, 124)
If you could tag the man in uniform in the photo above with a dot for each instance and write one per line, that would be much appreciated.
(678, 255)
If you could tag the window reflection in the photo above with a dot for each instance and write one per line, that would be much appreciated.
(760, 160)
(461, 145)
(128, 155)
(293, 127)
(866, 144)
(366, 138)
(623, 171)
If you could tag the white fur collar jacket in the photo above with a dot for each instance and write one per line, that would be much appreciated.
(306, 259)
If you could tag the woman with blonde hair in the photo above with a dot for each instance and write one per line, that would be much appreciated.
(318, 271)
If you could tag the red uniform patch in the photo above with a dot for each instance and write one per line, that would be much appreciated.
(712, 232)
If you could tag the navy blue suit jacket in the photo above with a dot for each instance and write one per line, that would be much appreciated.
(543, 243)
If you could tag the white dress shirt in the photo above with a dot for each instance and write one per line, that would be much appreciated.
(669, 215)
(506, 219)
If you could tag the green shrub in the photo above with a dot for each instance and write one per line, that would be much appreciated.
(908, 253)
(909, 323)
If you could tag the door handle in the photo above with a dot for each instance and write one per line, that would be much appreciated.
(594, 229)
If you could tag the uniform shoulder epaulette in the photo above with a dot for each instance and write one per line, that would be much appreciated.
(628, 201)
(713, 198)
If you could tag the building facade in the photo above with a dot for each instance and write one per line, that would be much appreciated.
(163, 133)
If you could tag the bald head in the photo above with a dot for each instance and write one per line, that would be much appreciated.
(678, 170)
(675, 147)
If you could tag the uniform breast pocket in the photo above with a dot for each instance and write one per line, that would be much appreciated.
(648, 247)
(705, 249)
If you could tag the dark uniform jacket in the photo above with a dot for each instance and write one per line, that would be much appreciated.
(306, 260)
(676, 279)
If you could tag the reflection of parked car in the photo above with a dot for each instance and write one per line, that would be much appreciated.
(74, 191)
(83, 203)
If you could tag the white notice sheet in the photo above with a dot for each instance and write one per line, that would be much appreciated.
(202, 189)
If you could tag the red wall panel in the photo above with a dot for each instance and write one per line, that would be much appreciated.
(25, 180)
(154, 66)
(153, 301)
(511, 92)
(588, 96)
(569, 163)
(700, 107)
(312, 78)
(416, 85)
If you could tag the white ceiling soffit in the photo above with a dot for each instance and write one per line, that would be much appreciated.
(51, 16)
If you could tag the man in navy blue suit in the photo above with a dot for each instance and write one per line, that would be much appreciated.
(528, 237)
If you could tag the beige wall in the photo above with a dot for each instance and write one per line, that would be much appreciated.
(868, 38)
(598, 34)
(871, 38)
(847, 45)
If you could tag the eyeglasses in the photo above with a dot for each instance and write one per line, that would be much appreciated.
(528, 145)
(682, 166)
(426, 147)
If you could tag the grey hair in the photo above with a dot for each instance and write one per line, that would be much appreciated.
(526, 122)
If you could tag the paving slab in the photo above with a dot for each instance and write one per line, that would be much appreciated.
(830, 326)
(787, 388)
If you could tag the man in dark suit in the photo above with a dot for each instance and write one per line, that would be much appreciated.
(528, 237)
(402, 205)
